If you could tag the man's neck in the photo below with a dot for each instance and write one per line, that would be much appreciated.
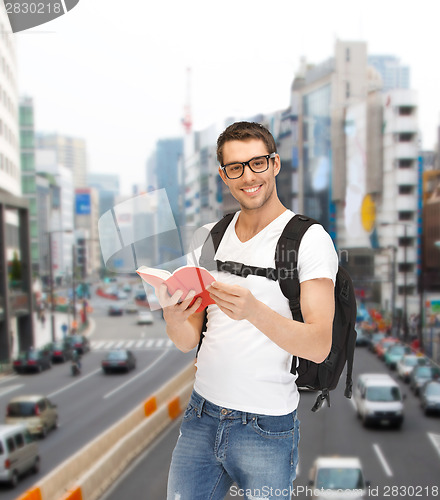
(251, 222)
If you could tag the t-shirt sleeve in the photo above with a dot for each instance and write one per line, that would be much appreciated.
(317, 257)
(197, 241)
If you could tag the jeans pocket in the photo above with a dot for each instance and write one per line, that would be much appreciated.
(190, 412)
(271, 426)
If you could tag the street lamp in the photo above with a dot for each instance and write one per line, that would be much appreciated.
(405, 265)
(52, 304)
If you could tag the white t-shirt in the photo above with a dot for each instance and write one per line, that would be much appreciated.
(239, 367)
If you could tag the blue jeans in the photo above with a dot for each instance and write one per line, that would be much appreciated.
(218, 446)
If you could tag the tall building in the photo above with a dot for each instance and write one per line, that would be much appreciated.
(16, 300)
(28, 175)
(71, 152)
(168, 156)
(393, 74)
(352, 148)
(61, 213)
(108, 188)
(399, 221)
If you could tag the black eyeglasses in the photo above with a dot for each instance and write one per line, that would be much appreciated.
(258, 165)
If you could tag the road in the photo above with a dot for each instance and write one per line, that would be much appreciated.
(91, 403)
(399, 463)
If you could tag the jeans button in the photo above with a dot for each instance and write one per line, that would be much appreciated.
(224, 411)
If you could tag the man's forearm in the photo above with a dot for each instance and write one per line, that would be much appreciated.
(184, 335)
(310, 341)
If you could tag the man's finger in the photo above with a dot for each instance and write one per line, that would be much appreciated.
(175, 298)
(194, 307)
(189, 296)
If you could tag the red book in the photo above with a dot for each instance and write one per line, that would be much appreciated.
(184, 278)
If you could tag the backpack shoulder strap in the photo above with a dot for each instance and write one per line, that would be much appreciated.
(286, 260)
(286, 263)
(207, 255)
(213, 240)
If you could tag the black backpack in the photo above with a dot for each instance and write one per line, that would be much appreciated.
(316, 376)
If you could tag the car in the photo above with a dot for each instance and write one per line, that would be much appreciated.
(80, 343)
(394, 354)
(131, 307)
(35, 411)
(61, 351)
(121, 295)
(33, 360)
(18, 453)
(118, 360)
(337, 477)
(383, 345)
(115, 310)
(141, 296)
(374, 340)
(378, 400)
(145, 318)
(430, 397)
(407, 364)
(362, 339)
(420, 375)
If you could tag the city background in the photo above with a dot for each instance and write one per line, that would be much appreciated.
(354, 156)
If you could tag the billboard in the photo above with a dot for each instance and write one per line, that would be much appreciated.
(82, 204)
(359, 211)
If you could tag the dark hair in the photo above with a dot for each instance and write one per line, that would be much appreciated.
(243, 131)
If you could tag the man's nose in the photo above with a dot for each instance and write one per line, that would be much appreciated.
(248, 173)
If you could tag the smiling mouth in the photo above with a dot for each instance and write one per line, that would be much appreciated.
(251, 189)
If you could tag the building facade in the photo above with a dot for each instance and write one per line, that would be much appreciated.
(71, 152)
(16, 297)
(61, 213)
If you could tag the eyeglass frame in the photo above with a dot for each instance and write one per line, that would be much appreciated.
(268, 157)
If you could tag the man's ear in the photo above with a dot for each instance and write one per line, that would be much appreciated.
(222, 175)
(277, 164)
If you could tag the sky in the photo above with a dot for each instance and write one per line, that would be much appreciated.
(115, 73)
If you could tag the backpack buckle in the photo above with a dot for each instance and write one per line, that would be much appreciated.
(324, 396)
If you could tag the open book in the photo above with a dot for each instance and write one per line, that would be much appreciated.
(184, 278)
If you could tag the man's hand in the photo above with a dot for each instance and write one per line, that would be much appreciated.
(235, 301)
(175, 310)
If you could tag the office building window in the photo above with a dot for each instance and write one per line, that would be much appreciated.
(406, 162)
(406, 110)
(406, 267)
(405, 137)
(406, 189)
(406, 241)
(406, 215)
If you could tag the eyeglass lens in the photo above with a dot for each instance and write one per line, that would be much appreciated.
(257, 165)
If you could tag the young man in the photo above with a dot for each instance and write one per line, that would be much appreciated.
(241, 424)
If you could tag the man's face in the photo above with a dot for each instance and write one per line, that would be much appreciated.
(252, 190)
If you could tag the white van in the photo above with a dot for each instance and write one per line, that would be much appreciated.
(18, 453)
(337, 477)
(36, 411)
(378, 400)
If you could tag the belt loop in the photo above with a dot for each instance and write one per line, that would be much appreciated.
(200, 407)
(244, 418)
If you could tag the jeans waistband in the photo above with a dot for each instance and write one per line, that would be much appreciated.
(220, 412)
